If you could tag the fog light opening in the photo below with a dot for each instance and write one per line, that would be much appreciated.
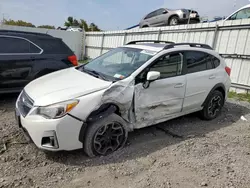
(50, 141)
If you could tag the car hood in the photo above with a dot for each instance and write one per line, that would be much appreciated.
(63, 85)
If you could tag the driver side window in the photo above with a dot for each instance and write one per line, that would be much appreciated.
(169, 65)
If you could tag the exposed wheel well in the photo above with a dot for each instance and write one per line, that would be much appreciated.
(104, 110)
(219, 87)
(144, 26)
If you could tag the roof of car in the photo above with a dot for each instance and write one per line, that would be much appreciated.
(147, 46)
(23, 33)
(157, 47)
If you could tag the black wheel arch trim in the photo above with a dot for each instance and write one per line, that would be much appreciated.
(102, 112)
(216, 87)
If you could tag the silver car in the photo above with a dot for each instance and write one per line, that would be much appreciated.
(164, 17)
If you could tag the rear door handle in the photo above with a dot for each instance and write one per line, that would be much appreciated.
(179, 85)
(212, 77)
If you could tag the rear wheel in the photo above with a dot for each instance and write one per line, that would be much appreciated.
(213, 106)
(174, 20)
(105, 136)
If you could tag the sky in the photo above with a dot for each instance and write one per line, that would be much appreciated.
(107, 14)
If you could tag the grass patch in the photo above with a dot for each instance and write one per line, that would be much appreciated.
(239, 96)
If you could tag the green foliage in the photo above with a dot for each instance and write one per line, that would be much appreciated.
(81, 23)
(18, 23)
(70, 22)
(239, 96)
(46, 26)
(93, 27)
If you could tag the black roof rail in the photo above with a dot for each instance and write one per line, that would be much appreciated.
(154, 41)
(197, 45)
(2, 31)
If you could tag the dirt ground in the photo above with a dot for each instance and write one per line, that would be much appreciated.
(199, 154)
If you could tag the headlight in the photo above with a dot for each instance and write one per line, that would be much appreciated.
(56, 110)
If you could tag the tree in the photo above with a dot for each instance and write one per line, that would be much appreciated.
(46, 26)
(93, 27)
(81, 23)
(18, 23)
(69, 21)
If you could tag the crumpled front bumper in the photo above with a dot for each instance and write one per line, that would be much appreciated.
(51, 134)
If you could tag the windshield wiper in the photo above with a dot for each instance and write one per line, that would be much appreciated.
(94, 73)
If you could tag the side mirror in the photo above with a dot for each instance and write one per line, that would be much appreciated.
(164, 12)
(153, 75)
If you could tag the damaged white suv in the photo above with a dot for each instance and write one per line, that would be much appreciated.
(94, 106)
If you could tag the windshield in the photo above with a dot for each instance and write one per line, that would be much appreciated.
(119, 63)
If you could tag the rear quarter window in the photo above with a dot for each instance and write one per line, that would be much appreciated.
(12, 45)
(200, 61)
(54, 46)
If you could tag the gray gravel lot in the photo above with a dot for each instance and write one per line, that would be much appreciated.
(199, 154)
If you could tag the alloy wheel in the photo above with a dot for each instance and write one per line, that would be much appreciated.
(174, 21)
(109, 138)
(214, 106)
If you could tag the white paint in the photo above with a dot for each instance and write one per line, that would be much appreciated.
(140, 104)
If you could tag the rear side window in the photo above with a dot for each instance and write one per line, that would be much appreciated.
(150, 15)
(200, 61)
(160, 11)
(54, 46)
(11, 45)
(215, 61)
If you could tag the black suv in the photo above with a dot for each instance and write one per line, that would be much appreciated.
(25, 56)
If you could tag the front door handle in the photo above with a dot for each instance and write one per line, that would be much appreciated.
(212, 77)
(179, 85)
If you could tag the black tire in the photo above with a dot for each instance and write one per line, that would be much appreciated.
(174, 21)
(213, 106)
(109, 133)
(145, 26)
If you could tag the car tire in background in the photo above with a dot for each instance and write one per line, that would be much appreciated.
(213, 105)
(174, 20)
(105, 136)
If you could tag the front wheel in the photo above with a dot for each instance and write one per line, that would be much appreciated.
(213, 106)
(105, 136)
(174, 21)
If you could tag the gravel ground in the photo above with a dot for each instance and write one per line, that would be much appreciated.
(199, 154)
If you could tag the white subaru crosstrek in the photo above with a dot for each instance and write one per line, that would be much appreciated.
(94, 106)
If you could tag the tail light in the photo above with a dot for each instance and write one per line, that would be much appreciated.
(73, 60)
(228, 70)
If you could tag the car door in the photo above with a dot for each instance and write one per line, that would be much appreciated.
(16, 59)
(201, 78)
(161, 18)
(163, 97)
(151, 18)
